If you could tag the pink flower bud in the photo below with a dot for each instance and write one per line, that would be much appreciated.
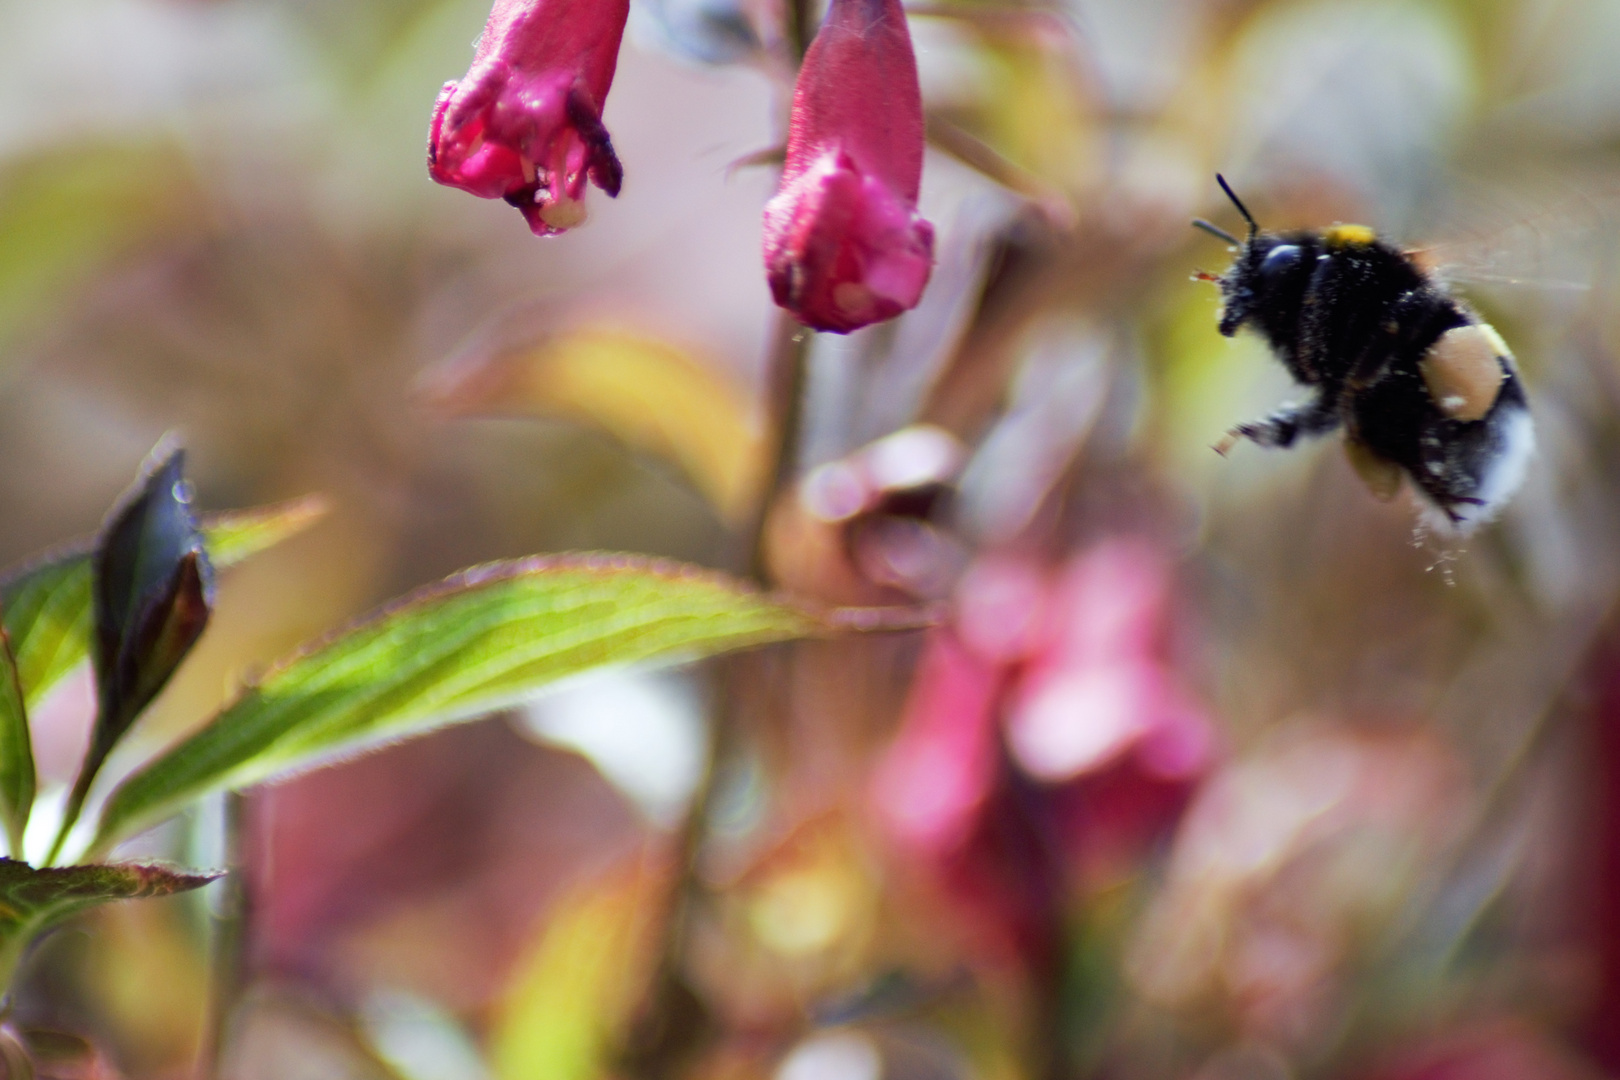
(844, 245)
(525, 125)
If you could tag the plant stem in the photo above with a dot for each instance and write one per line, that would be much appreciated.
(230, 925)
(797, 28)
(70, 814)
(785, 382)
(94, 758)
(672, 1023)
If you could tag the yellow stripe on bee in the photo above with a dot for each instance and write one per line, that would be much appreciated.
(1349, 236)
(1495, 340)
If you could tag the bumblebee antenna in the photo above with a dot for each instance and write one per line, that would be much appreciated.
(1214, 230)
(1237, 202)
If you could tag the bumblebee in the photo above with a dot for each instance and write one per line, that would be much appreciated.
(1423, 389)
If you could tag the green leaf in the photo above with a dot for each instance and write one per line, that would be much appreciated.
(482, 640)
(16, 752)
(47, 601)
(236, 535)
(32, 901)
(47, 617)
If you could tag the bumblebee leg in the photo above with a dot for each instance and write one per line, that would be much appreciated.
(1282, 427)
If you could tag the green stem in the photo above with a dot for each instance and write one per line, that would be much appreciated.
(230, 935)
(786, 374)
(663, 1035)
(16, 830)
(71, 812)
(798, 29)
(657, 1043)
(11, 954)
(94, 758)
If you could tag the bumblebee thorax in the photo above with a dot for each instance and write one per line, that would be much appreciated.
(1339, 237)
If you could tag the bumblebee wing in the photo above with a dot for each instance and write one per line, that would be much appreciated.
(1525, 241)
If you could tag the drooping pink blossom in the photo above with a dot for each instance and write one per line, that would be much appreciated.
(525, 124)
(844, 244)
(947, 798)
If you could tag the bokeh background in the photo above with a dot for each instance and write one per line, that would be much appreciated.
(1219, 769)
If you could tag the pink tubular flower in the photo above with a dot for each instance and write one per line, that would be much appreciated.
(525, 125)
(844, 245)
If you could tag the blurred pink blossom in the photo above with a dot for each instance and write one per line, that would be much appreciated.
(525, 124)
(1602, 1034)
(1101, 749)
(1499, 1050)
(935, 778)
(864, 529)
(1097, 686)
(844, 244)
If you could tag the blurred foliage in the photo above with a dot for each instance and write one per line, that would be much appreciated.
(655, 398)
(65, 212)
(1397, 860)
(575, 987)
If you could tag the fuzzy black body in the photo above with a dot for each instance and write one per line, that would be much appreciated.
(1357, 320)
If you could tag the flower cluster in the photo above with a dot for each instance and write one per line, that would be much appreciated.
(844, 244)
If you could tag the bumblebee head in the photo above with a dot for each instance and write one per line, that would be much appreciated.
(1268, 273)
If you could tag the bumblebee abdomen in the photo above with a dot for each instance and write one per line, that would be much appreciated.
(1466, 451)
